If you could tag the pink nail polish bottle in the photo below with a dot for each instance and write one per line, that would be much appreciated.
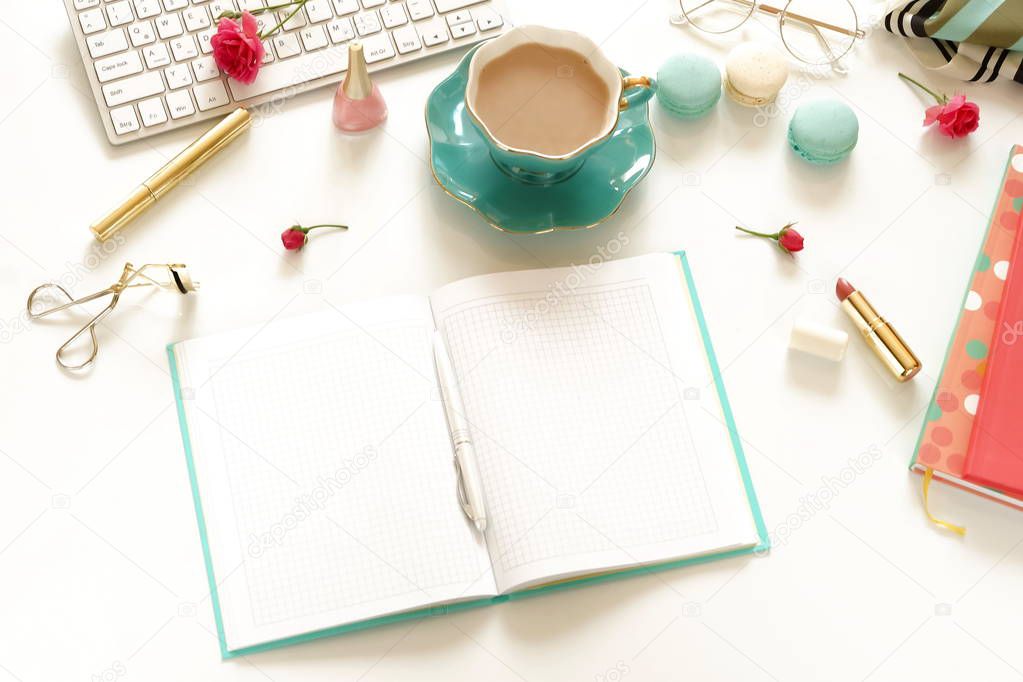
(358, 104)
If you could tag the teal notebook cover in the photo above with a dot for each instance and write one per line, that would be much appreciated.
(762, 546)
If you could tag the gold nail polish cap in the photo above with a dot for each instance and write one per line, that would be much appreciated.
(357, 83)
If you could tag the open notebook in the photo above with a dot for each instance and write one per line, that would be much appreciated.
(321, 461)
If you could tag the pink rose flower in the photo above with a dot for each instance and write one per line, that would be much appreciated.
(238, 48)
(788, 239)
(956, 118)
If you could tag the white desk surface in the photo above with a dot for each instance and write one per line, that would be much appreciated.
(101, 575)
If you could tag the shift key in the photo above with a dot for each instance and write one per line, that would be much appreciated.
(131, 89)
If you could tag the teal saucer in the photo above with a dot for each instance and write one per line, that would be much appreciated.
(461, 163)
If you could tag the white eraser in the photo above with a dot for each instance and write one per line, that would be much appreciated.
(816, 339)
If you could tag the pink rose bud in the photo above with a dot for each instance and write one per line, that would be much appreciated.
(788, 239)
(296, 236)
(238, 48)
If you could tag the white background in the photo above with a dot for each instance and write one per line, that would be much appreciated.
(100, 564)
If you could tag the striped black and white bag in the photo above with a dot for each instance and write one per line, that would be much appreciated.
(972, 40)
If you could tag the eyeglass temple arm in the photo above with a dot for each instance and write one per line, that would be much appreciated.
(769, 9)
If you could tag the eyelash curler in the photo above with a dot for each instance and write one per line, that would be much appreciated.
(177, 279)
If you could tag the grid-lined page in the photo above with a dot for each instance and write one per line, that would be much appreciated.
(580, 422)
(341, 485)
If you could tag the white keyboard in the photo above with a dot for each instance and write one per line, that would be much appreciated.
(151, 64)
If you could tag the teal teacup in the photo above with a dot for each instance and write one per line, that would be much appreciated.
(553, 160)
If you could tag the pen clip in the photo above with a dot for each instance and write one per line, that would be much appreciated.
(463, 500)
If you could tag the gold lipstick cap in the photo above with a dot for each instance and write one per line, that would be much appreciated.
(881, 337)
(176, 170)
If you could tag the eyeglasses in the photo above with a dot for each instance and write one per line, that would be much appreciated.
(821, 40)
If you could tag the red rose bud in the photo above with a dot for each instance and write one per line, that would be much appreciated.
(295, 237)
(788, 239)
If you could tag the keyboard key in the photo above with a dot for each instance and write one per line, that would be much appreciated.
(152, 113)
(268, 51)
(367, 23)
(92, 21)
(434, 32)
(340, 30)
(394, 15)
(296, 20)
(196, 19)
(252, 4)
(124, 120)
(458, 18)
(85, 4)
(180, 104)
(205, 68)
(286, 45)
(131, 89)
(178, 76)
(118, 66)
(211, 95)
(286, 74)
(218, 7)
(184, 48)
(378, 48)
(318, 10)
(313, 38)
(368, 4)
(407, 40)
(420, 9)
(204, 39)
(102, 44)
(445, 6)
(487, 19)
(119, 13)
(146, 9)
(142, 33)
(169, 26)
(174, 5)
(462, 30)
(156, 55)
(343, 7)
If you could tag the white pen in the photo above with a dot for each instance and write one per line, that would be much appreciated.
(470, 487)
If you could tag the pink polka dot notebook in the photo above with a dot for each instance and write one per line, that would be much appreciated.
(944, 440)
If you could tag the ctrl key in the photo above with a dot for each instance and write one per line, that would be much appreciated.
(124, 120)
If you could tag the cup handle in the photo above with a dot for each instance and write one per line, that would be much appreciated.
(642, 89)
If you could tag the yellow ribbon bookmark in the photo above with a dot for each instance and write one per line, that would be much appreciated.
(958, 530)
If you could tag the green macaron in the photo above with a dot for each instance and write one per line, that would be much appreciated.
(688, 85)
(823, 131)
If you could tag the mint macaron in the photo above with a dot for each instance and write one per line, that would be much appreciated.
(823, 131)
(688, 85)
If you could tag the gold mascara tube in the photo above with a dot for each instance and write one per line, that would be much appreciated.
(176, 170)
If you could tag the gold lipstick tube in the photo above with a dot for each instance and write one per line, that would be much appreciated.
(176, 170)
(881, 337)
